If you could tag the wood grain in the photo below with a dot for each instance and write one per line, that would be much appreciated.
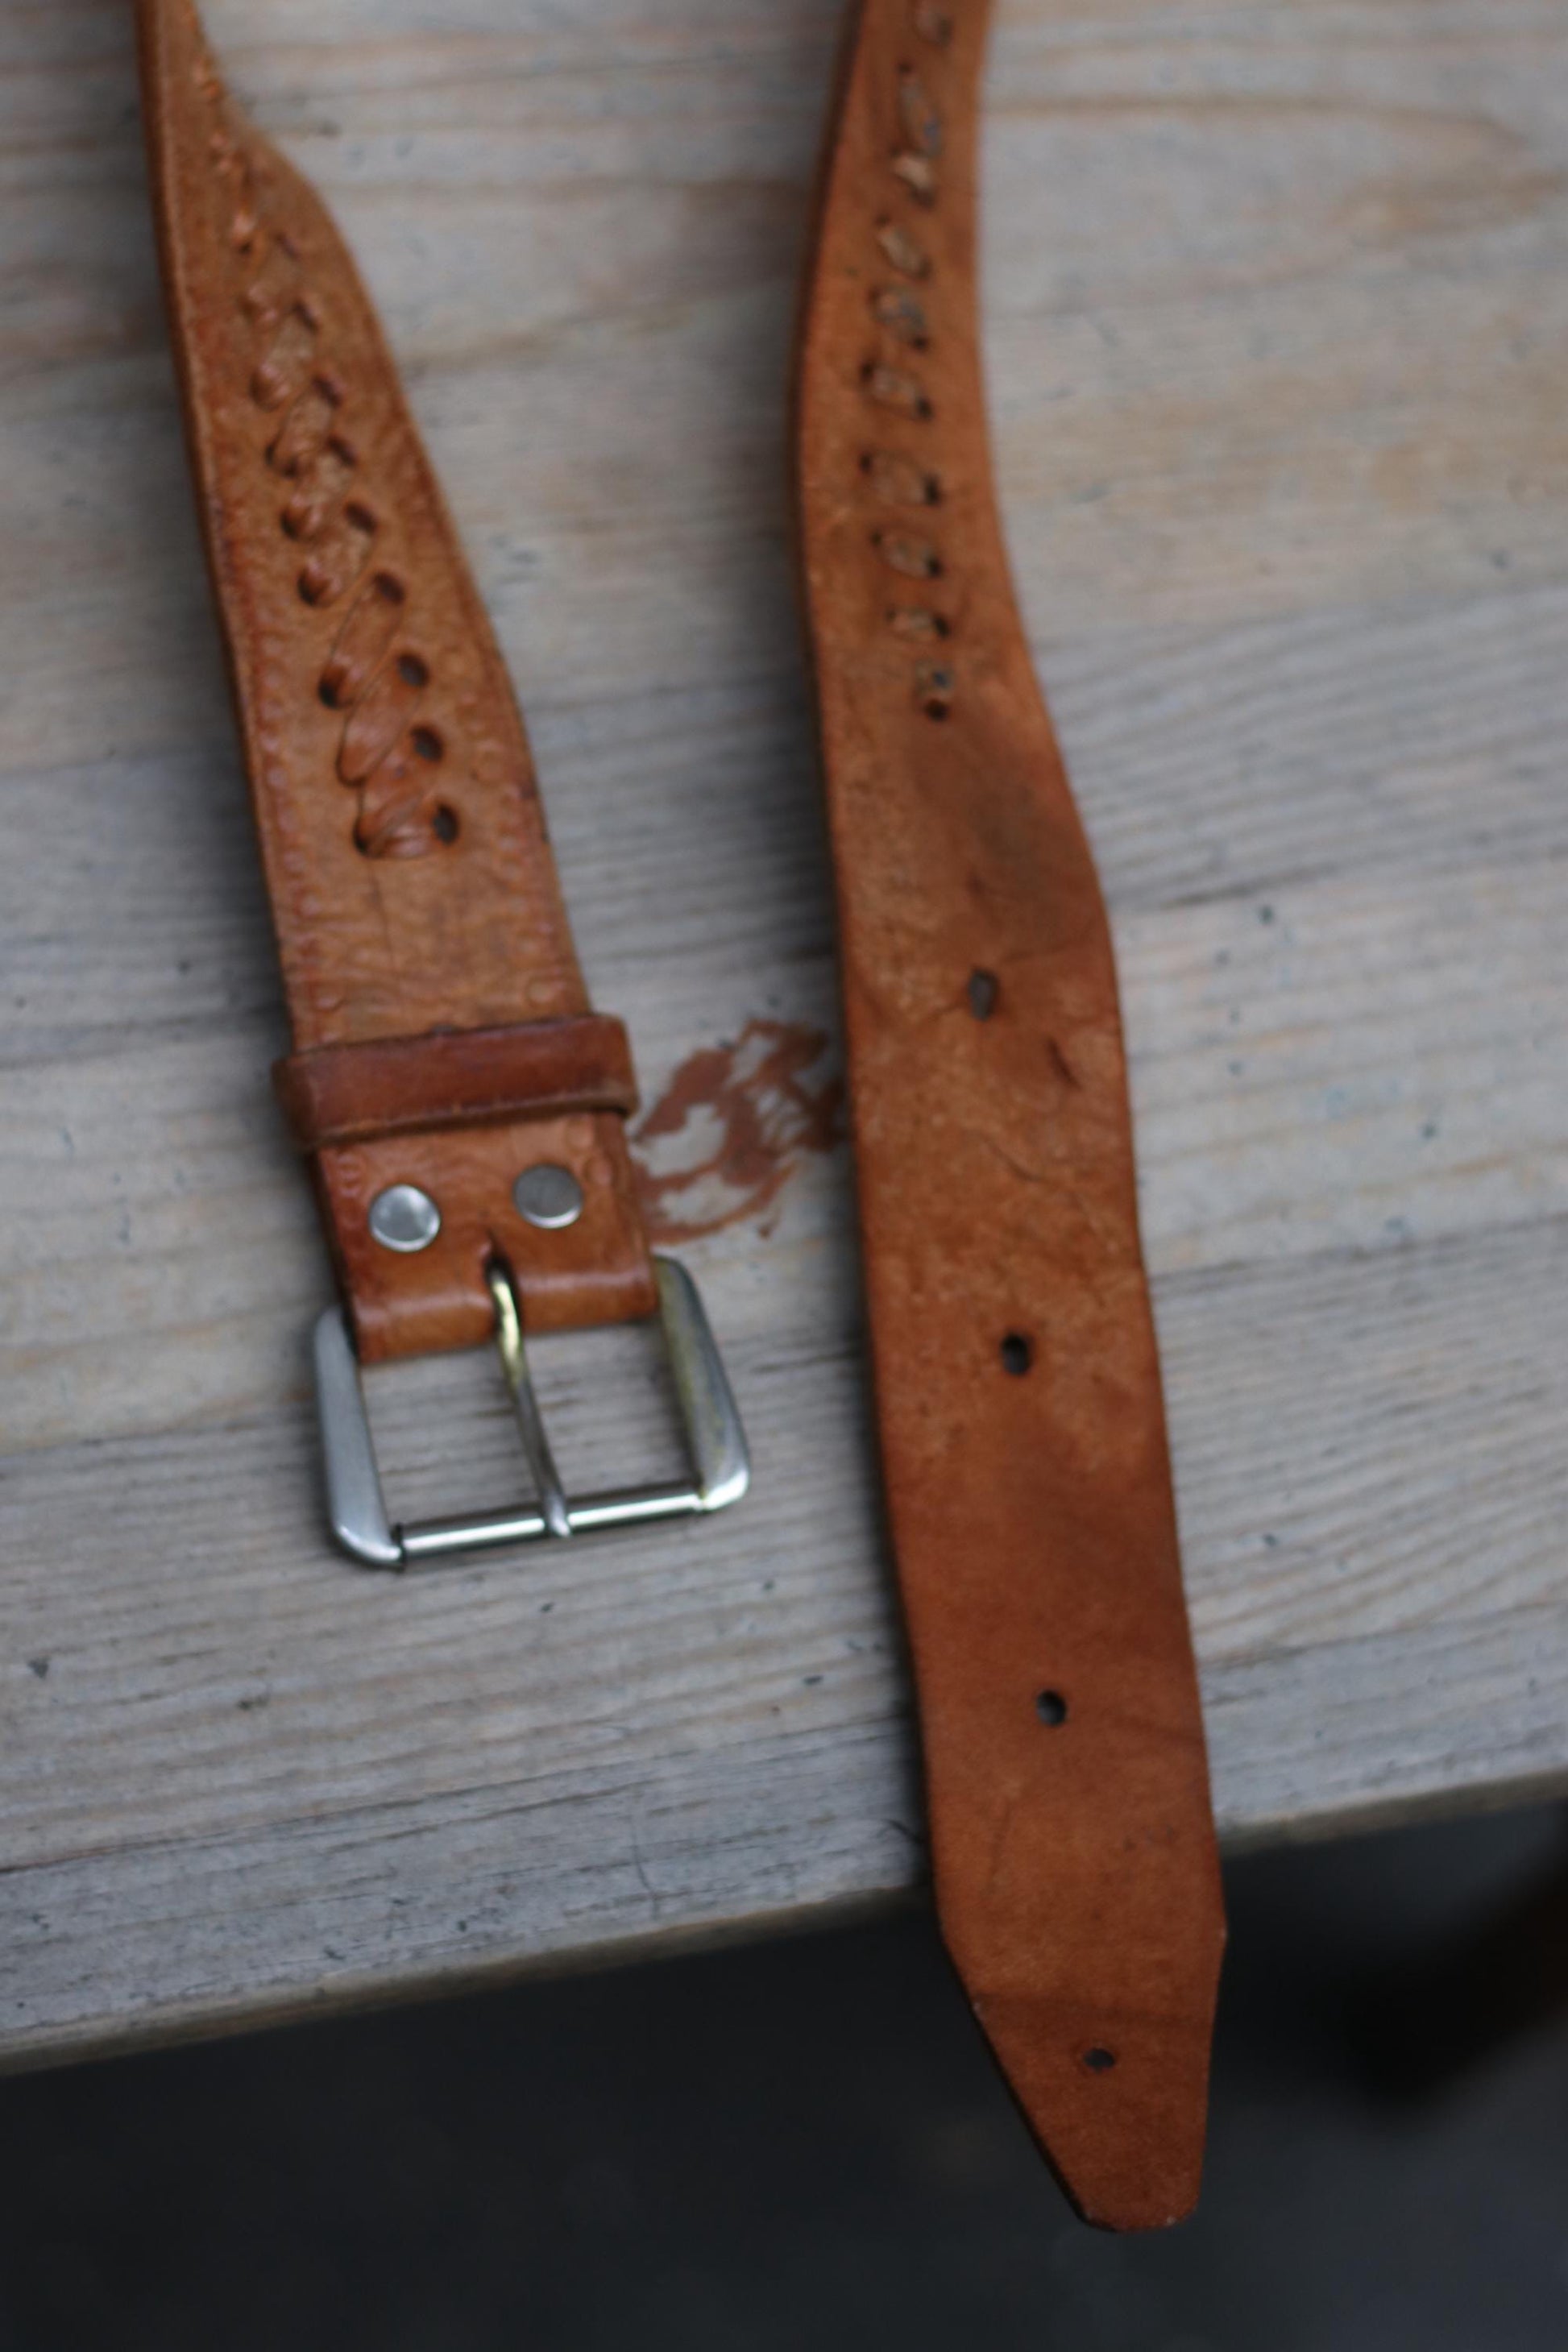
(1277, 335)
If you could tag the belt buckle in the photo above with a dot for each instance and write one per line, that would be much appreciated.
(715, 1442)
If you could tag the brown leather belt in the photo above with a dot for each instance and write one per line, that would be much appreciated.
(462, 1109)
(1017, 1384)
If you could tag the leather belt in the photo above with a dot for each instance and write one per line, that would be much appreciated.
(462, 1108)
(1017, 1383)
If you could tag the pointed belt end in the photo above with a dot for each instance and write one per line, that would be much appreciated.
(1118, 2104)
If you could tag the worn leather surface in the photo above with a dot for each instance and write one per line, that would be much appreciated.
(411, 880)
(451, 1078)
(1017, 1384)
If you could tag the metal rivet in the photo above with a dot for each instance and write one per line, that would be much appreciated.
(549, 1196)
(404, 1218)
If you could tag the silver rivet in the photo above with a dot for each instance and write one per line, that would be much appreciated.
(404, 1218)
(548, 1195)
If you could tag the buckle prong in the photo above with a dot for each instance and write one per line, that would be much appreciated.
(716, 1442)
(530, 1420)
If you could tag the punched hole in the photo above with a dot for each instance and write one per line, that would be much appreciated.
(1099, 2061)
(1051, 1708)
(1017, 1354)
(413, 671)
(444, 825)
(934, 683)
(984, 989)
(427, 744)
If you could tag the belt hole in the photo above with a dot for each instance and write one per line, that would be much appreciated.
(1051, 1708)
(983, 990)
(934, 684)
(1099, 2061)
(1017, 1354)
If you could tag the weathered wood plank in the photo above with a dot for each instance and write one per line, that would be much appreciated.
(1278, 333)
(1345, 1063)
(1291, 1386)
(140, 1940)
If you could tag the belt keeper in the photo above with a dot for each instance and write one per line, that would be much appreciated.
(335, 1094)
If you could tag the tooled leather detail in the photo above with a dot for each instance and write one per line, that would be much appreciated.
(391, 747)
(407, 864)
(894, 476)
(388, 944)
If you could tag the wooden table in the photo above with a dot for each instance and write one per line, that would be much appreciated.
(1277, 326)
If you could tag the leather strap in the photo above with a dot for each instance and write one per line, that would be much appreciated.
(1017, 1384)
(455, 1077)
(441, 1028)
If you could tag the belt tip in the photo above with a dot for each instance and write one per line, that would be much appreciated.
(1118, 2104)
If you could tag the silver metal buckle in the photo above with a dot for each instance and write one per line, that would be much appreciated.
(715, 1438)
